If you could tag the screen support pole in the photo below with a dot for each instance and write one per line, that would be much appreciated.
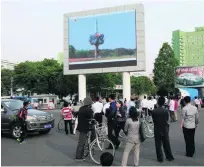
(81, 86)
(126, 86)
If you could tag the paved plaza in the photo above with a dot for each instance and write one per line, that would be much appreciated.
(57, 149)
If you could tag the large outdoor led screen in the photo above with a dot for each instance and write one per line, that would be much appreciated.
(102, 41)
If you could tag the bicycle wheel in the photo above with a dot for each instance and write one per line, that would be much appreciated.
(61, 124)
(149, 130)
(95, 151)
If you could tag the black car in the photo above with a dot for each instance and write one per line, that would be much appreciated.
(37, 121)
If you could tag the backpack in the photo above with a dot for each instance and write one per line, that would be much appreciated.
(142, 132)
(19, 114)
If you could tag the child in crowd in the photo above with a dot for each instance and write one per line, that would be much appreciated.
(67, 115)
(106, 159)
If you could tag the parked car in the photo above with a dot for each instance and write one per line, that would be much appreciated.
(188, 79)
(37, 121)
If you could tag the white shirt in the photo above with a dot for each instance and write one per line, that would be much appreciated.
(196, 101)
(129, 105)
(144, 103)
(150, 105)
(107, 105)
(154, 101)
(97, 107)
(171, 105)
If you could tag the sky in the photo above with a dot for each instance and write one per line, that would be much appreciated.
(118, 30)
(33, 29)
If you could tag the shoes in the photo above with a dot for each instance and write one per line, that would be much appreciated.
(160, 160)
(189, 155)
(170, 159)
(20, 141)
(79, 159)
(117, 146)
(109, 147)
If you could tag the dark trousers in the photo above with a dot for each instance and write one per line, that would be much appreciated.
(189, 140)
(83, 138)
(98, 117)
(23, 130)
(162, 138)
(120, 125)
(149, 112)
(172, 115)
(145, 111)
(111, 127)
(81, 144)
(70, 126)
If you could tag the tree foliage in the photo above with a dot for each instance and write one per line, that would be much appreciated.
(142, 84)
(47, 76)
(73, 53)
(44, 77)
(6, 76)
(164, 67)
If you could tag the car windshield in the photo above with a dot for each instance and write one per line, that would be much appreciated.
(14, 104)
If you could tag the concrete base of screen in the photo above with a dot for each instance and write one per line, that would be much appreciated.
(126, 85)
(82, 86)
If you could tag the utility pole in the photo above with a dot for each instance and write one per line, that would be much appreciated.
(11, 86)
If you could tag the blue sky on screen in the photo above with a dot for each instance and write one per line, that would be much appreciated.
(118, 30)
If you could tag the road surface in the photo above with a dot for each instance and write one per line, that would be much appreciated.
(57, 149)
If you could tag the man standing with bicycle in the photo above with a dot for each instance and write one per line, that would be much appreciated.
(84, 116)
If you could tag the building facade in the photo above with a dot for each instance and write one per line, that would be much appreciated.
(7, 64)
(189, 47)
(60, 58)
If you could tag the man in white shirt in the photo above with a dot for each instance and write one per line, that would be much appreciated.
(155, 102)
(97, 108)
(171, 109)
(106, 106)
(150, 105)
(144, 105)
(196, 102)
(131, 103)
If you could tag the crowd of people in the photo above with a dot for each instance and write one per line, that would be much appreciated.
(126, 116)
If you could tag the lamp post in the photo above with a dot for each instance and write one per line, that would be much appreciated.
(11, 87)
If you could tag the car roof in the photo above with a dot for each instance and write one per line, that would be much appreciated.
(9, 100)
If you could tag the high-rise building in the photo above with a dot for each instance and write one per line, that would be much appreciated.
(60, 58)
(189, 47)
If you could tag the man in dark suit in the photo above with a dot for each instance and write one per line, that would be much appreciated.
(161, 131)
(85, 114)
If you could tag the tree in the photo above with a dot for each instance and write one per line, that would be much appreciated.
(44, 77)
(6, 76)
(164, 67)
(142, 84)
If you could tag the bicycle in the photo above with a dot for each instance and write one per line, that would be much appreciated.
(148, 125)
(98, 144)
(149, 128)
